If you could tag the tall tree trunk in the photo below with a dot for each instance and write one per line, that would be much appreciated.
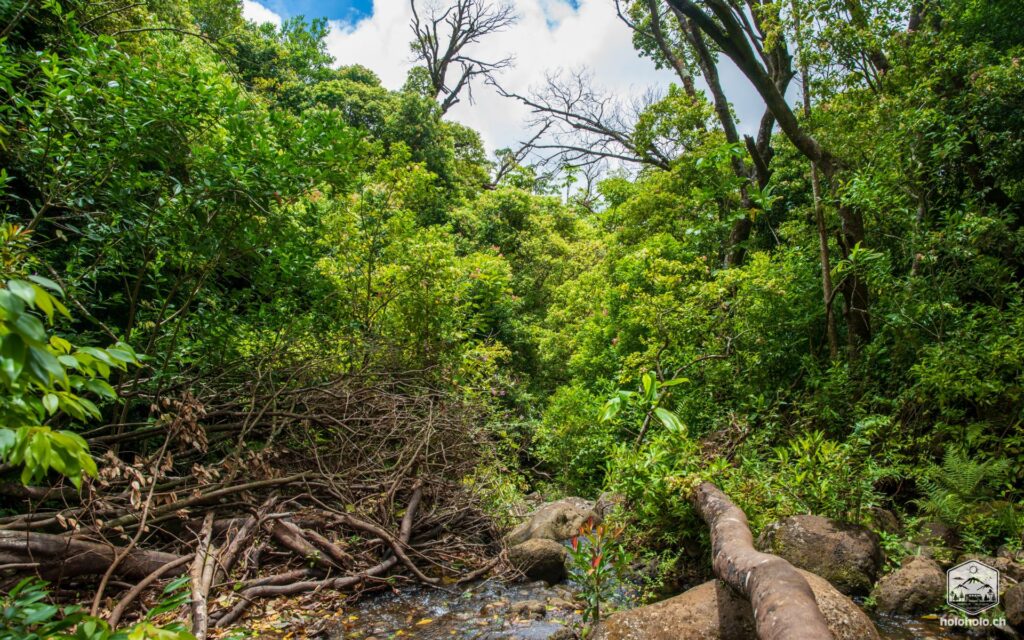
(724, 28)
(856, 299)
(735, 249)
(819, 212)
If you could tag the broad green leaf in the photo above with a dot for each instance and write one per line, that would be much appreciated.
(46, 282)
(31, 328)
(674, 381)
(670, 420)
(13, 352)
(23, 290)
(51, 402)
(611, 408)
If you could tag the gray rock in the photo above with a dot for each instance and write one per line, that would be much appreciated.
(713, 611)
(539, 559)
(1013, 606)
(529, 609)
(559, 520)
(608, 502)
(918, 586)
(849, 556)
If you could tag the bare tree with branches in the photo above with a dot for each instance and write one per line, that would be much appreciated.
(441, 38)
(684, 48)
(585, 126)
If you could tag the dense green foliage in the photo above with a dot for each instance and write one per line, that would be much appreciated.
(212, 192)
(26, 615)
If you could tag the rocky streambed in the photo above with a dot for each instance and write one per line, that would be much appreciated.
(842, 564)
(527, 611)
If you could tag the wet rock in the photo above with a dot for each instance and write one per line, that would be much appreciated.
(849, 556)
(529, 610)
(539, 559)
(713, 611)
(492, 608)
(559, 520)
(561, 604)
(1013, 606)
(609, 502)
(918, 586)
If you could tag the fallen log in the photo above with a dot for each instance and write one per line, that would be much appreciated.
(783, 603)
(73, 556)
(251, 594)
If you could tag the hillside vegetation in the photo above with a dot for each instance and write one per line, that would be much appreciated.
(228, 258)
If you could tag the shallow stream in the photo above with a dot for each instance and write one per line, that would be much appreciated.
(490, 609)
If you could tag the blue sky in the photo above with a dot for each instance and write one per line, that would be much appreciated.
(550, 36)
(351, 11)
(347, 10)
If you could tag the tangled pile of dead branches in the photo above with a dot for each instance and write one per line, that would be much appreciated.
(272, 486)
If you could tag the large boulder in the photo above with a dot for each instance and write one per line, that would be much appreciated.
(713, 611)
(918, 586)
(1013, 606)
(849, 556)
(559, 520)
(539, 559)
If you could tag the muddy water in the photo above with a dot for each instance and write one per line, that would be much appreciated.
(492, 610)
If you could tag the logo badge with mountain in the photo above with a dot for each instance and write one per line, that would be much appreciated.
(972, 587)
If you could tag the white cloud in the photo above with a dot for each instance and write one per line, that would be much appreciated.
(258, 13)
(550, 35)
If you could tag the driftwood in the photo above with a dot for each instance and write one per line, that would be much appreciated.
(247, 596)
(74, 556)
(783, 603)
(200, 575)
(316, 506)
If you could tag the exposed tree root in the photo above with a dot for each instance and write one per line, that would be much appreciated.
(783, 603)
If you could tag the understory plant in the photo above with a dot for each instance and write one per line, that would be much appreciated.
(27, 614)
(45, 380)
(597, 563)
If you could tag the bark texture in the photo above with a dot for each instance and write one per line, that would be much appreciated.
(783, 603)
(72, 556)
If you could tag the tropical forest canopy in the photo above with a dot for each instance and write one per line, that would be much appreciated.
(819, 312)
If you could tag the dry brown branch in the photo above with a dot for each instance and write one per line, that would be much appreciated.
(200, 584)
(118, 611)
(358, 448)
